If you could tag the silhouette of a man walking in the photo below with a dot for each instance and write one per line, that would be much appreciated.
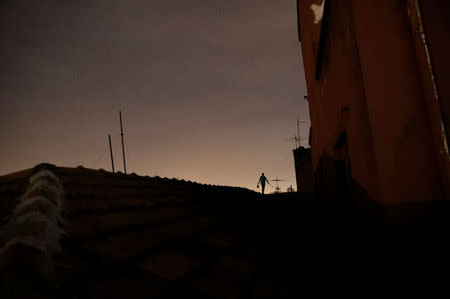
(262, 180)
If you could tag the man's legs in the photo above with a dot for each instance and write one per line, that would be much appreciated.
(262, 188)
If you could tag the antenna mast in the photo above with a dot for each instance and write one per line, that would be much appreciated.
(277, 189)
(123, 147)
(110, 151)
(298, 130)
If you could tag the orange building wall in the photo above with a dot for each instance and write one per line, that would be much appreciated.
(371, 88)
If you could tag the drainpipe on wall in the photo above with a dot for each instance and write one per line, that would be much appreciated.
(431, 94)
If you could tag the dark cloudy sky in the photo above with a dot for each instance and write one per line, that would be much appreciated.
(209, 89)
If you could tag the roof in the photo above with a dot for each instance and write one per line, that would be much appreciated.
(128, 236)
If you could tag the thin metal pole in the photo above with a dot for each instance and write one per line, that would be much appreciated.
(110, 150)
(123, 147)
(298, 131)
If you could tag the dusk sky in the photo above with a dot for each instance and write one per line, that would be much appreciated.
(209, 89)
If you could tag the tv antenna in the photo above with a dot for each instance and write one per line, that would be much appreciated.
(297, 140)
(298, 127)
(111, 152)
(123, 147)
(277, 188)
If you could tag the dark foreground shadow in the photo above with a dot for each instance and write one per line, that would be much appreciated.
(136, 237)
